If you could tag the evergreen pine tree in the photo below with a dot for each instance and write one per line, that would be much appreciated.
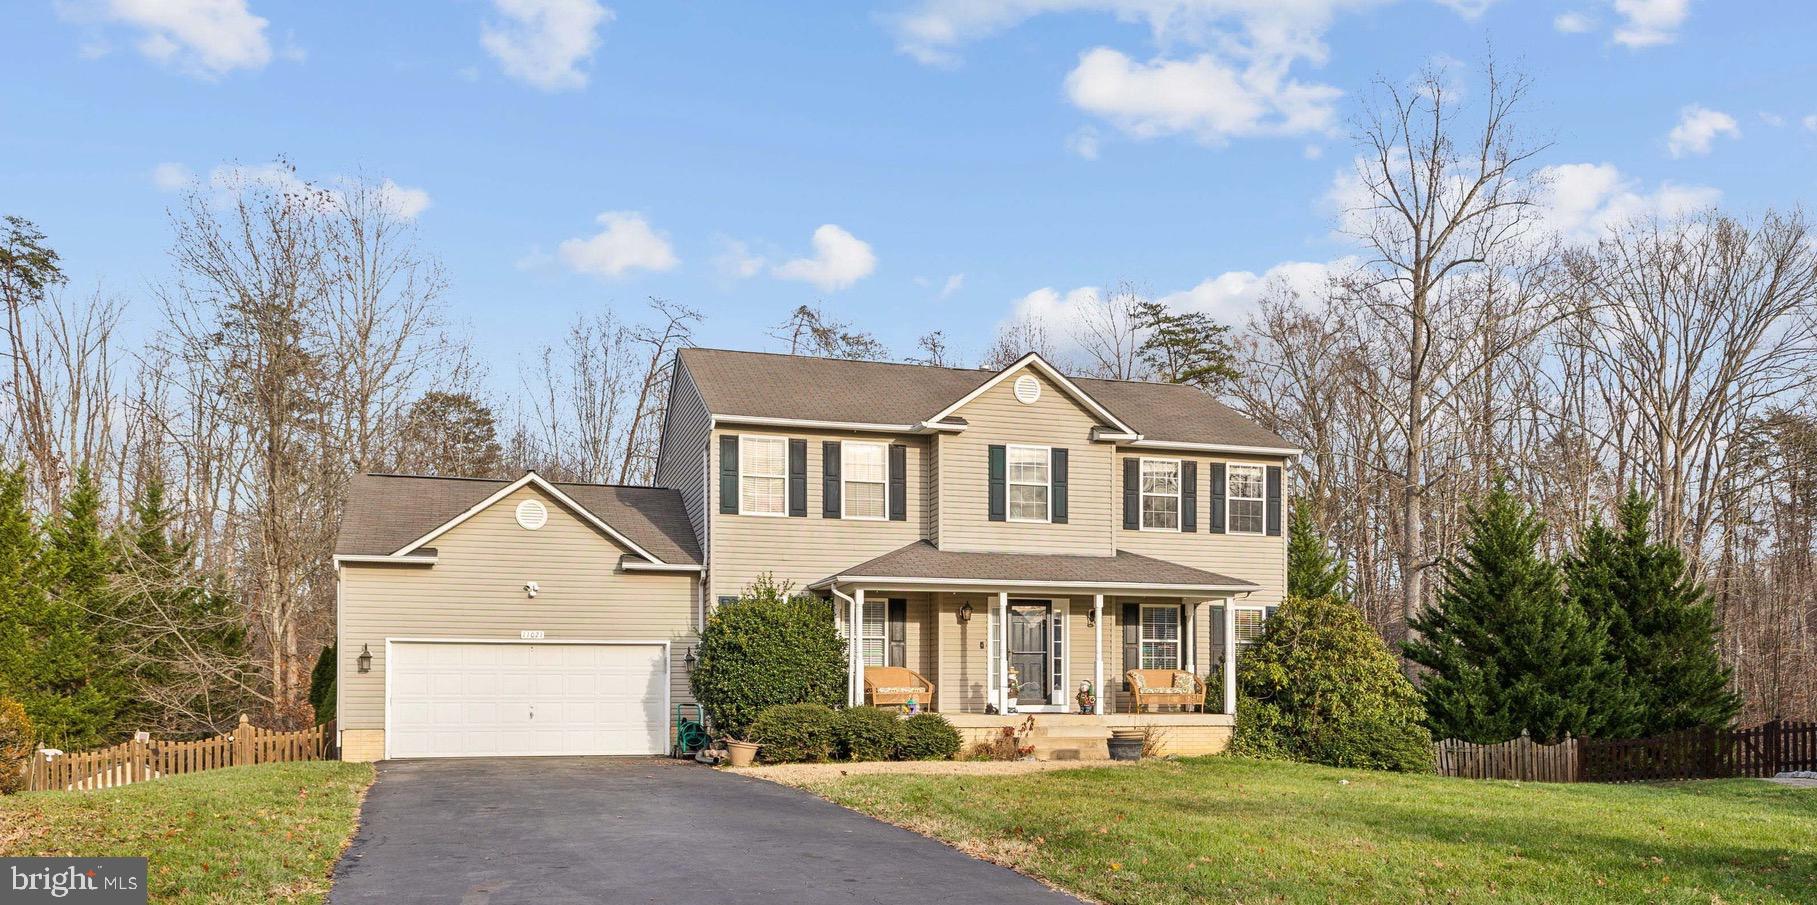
(1660, 621)
(1312, 569)
(80, 689)
(21, 588)
(1506, 650)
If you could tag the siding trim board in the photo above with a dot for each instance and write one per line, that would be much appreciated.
(529, 478)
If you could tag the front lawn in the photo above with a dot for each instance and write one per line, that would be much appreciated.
(1233, 829)
(269, 833)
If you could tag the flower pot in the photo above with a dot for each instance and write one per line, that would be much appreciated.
(740, 754)
(1125, 747)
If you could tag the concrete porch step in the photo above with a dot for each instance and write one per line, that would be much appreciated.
(1064, 748)
(1057, 732)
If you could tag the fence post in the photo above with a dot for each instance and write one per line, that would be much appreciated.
(1772, 748)
(242, 742)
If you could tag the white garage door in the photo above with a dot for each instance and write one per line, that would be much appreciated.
(512, 699)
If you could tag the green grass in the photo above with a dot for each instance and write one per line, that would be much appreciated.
(1239, 830)
(242, 834)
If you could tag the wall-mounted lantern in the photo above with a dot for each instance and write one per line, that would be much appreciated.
(365, 659)
(689, 658)
(965, 613)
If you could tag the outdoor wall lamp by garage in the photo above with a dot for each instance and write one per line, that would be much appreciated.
(965, 613)
(365, 659)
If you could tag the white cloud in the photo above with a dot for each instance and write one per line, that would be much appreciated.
(735, 259)
(545, 42)
(1697, 128)
(403, 201)
(203, 38)
(627, 243)
(1469, 9)
(171, 177)
(1231, 297)
(840, 259)
(1084, 143)
(1573, 23)
(1772, 119)
(1202, 97)
(1580, 200)
(1809, 122)
(953, 284)
(1646, 23)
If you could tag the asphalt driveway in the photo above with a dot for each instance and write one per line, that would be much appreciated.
(638, 830)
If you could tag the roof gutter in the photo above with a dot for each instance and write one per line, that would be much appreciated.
(632, 565)
(1141, 443)
(918, 427)
(832, 583)
(382, 559)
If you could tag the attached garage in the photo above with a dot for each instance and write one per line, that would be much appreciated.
(512, 699)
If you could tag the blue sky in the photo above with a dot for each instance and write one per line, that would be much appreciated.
(909, 166)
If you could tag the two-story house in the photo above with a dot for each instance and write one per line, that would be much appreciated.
(1010, 535)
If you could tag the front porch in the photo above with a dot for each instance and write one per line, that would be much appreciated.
(1071, 736)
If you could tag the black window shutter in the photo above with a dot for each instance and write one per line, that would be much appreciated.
(1189, 496)
(1215, 524)
(897, 654)
(898, 484)
(1057, 471)
(829, 479)
(1132, 493)
(1217, 630)
(1132, 639)
(798, 478)
(1274, 501)
(728, 475)
(998, 488)
(1268, 613)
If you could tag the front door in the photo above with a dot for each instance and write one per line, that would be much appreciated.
(1028, 651)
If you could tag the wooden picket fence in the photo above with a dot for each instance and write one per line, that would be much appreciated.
(145, 758)
(1521, 758)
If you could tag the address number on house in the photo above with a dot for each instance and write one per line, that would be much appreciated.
(531, 634)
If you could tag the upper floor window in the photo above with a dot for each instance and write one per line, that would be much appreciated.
(763, 475)
(1248, 499)
(1030, 483)
(863, 469)
(1160, 494)
(1160, 637)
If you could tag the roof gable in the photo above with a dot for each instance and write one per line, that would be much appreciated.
(1034, 363)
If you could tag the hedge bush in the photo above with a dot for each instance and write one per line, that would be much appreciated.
(868, 733)
(928, 736)
(1320, 686)
(767, 649)
(15, 745)
(795, 733)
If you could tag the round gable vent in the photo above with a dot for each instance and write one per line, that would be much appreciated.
(532, 514)
(1028, 389)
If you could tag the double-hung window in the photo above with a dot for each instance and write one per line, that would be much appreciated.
(1030, 483)
(874, 634)
(1248, 499)
(1160, 494)
(1250, 621)
(1160, 637)
(864, 468)
(763, 475)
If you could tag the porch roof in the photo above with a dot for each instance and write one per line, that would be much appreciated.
(923, 564)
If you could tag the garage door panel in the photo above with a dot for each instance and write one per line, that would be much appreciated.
(477, 699)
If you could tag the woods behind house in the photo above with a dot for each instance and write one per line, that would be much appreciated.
(171, 502)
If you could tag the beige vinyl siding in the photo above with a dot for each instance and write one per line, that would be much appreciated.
(686, 426)
(963, 666)
(1256, 558)
(996, 417)
(804, 550)
(476, 590)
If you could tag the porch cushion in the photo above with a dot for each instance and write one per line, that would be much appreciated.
(1184, 683)
(906, 689)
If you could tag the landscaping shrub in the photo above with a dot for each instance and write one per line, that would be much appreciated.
(1320, 686)
(15, 745)
(767, 649)
(868, 733)
(928, 736)
(321, 685)
(795, 733)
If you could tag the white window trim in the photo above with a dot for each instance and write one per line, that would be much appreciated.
(743, 460)
(882, 637)
(1261, 610)
(1009, 483)
(1179, 495)
(845, 447)
(1179, 641)
(1229, 525)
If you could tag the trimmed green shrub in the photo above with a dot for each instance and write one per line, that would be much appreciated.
(321, 685)
(928, 736)
(795, 733)
(767, 649)
(1321, 687)
(868, 733)
(15, 745)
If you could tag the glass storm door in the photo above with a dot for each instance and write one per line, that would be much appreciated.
(1028, 651)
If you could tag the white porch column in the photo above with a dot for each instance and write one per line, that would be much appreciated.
(1097, 680)
(1230, 657)
(1002, 642)
(858, 647)
(1190, 635)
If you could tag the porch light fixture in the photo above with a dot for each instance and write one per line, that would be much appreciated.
(965, 613)
(1091, 618)
(688, 658)
(365, 659)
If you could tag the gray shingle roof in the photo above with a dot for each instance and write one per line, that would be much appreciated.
(923, 560)
(768, 385)
(385, 512)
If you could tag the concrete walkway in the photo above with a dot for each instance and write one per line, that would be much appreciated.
(642, 830)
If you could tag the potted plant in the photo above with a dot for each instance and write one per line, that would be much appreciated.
(740, 753)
